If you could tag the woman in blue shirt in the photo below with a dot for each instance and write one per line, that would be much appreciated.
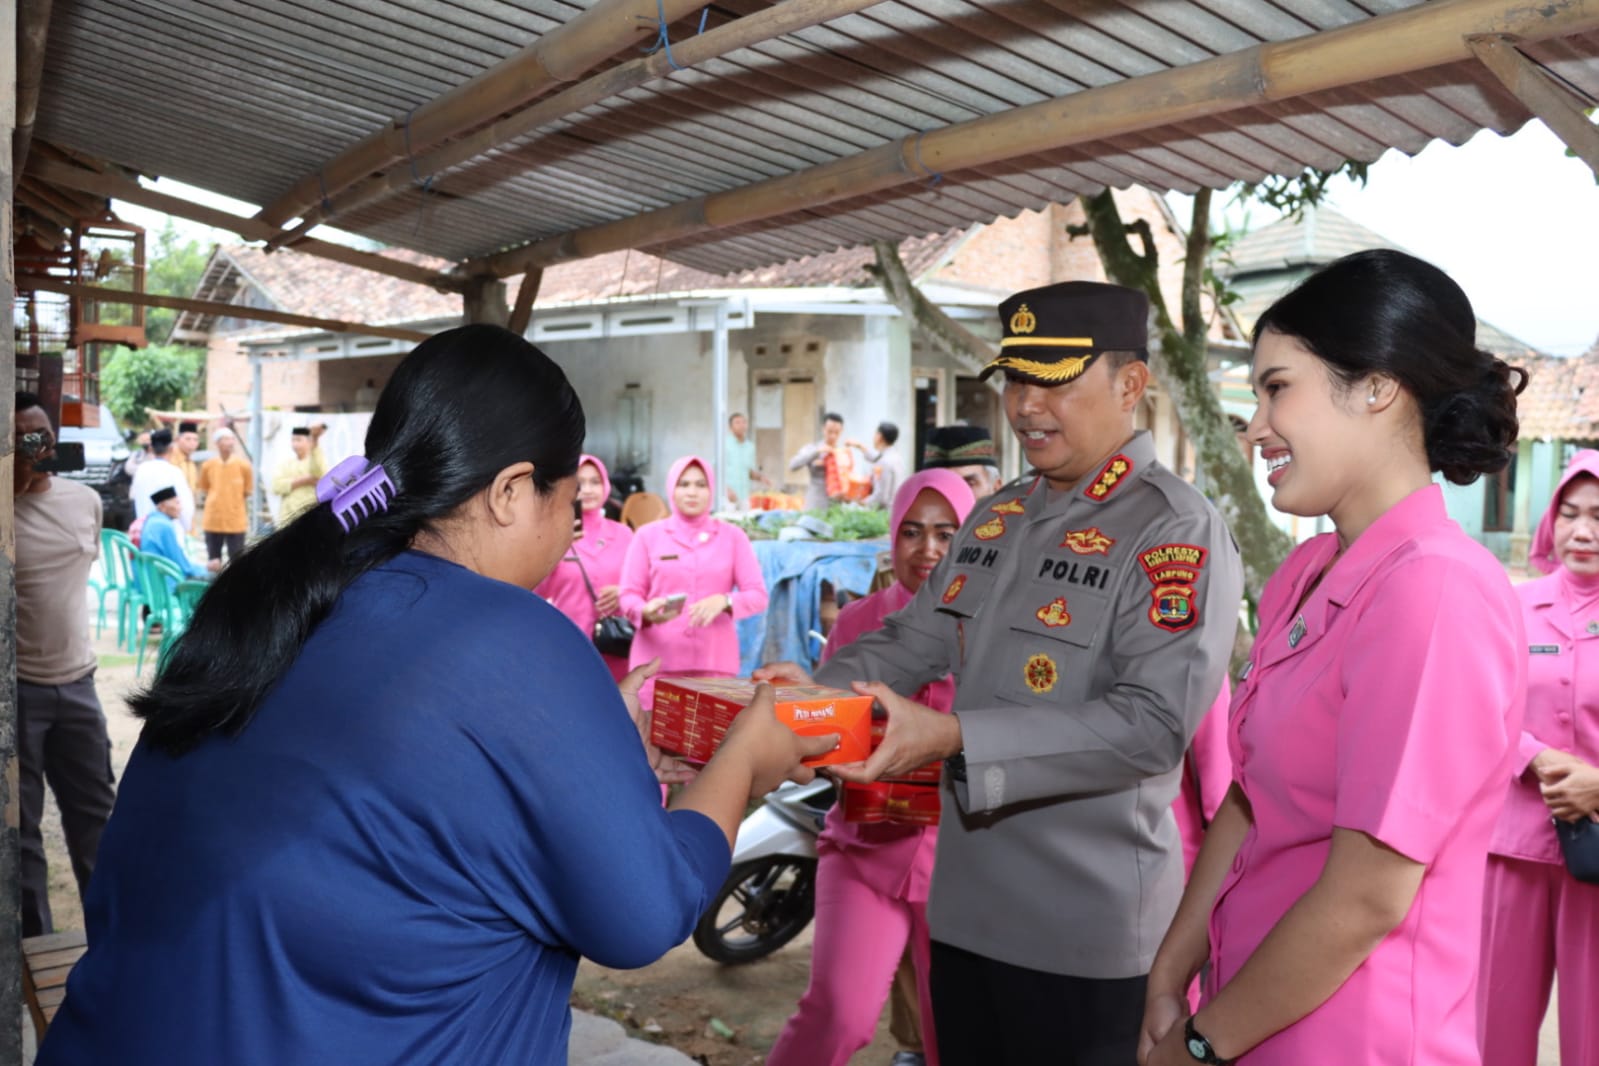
(385, 797)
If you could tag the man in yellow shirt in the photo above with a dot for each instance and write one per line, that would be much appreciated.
(227, 480)
(182, 457)
(295, 479)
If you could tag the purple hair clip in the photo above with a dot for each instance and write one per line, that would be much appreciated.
(355, 491)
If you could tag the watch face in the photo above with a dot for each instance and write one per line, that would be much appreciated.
(1198, 1049)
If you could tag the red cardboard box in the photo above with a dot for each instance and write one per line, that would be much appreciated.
(892, 802)
(692, 715)
(931, 774)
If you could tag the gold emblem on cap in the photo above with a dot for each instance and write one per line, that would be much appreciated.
(1063, 370)
(1023, 321)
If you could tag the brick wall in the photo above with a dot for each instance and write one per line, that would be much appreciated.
(227, 379)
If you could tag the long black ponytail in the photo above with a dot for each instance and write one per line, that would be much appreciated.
(461, 407)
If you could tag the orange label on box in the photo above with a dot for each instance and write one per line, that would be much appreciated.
(692, 715)
(891, 802)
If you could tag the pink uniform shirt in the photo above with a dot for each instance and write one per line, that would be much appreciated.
(698, 557)
(895, 860)
(1207, 775)
(1390, 703)
(602, 549)
(1562, 619)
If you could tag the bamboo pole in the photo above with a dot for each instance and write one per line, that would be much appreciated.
(33, 25)
(1416, 38)
(526, 293)
(43, 283)
(1542, 95)
(562, 55)
(90, 181)
(786, 17)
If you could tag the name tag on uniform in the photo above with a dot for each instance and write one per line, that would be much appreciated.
(1544, 649)
(1297, 634)
(664, 558)
(1243, 675)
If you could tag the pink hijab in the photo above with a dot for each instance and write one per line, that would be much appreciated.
(946, 483)
(594, 521)
(1542, 553)
(679, 523)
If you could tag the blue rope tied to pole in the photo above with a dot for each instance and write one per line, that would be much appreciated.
(663, 42)
(410, 157)
(327, 204)
(934, 176)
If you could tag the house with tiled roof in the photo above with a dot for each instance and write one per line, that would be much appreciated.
(635, 334)
(1267, 263)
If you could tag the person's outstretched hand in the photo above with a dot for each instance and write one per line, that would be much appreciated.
(772, 749)
(669, 769)
(914, 736)
(782, 671)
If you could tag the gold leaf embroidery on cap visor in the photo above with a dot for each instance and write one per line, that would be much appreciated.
(1064, 370)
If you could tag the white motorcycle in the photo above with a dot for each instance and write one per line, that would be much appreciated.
(770, 893)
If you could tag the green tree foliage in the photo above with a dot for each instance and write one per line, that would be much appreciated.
(134, 381)
(175, 264)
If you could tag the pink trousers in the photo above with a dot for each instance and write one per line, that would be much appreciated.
(860, 936)
(1538, 921)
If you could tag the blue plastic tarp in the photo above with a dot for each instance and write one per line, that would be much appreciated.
(794, 572)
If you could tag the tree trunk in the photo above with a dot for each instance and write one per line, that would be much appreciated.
(944, 333)
(1178, 358)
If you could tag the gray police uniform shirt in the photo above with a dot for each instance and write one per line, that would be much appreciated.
(1088, 633)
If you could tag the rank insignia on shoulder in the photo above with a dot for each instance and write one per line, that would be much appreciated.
(1113, 473)
(954, 589)
(1088, 541)
(1040, 673)
(1054, 613)
(994, 527)
(1009, 507)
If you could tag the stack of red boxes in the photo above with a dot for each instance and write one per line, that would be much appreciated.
(910, 799)
(692, 715)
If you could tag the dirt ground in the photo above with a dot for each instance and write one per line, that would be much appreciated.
(684, 1000)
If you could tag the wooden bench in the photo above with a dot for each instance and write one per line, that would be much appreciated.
(46, 961)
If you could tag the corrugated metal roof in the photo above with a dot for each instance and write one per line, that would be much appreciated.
(247, 98)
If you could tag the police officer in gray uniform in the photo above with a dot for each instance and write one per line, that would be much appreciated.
(1087, 612)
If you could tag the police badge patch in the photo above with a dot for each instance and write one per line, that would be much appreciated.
(1174, 571)
(954, 589)
(1009, 507)
(994, 527)
(1054, 613)
(1088, 541)
(1040, 673)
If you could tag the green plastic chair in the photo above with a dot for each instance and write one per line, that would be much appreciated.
(122, 554)
(106, 584)
(165, 606)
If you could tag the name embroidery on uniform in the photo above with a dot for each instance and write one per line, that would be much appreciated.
(994, 527)
(1297, 634)
(954, 589)
(1088, 541)
(1054, 613)
(972, 555)
(1040, 673)
(1009, 507)
(1113, 473)
(1543, 649)
(1076, 573)
(1174, 571)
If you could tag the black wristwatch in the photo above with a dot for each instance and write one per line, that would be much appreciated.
(1199, 1048)
(955, 767)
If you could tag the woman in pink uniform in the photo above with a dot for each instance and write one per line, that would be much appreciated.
(685, 581)
(1376, 727)
(872, 880)
(598, 552)
(1538, 919)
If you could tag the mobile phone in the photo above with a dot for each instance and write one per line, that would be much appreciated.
(677, 599)
(67, 459)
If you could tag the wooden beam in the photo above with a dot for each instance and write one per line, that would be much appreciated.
(118, 188)
(33, 24)
(562, 55)
(786, 17)
(526, 293)
(38, 283)
(1546, 98)
(1417, 38)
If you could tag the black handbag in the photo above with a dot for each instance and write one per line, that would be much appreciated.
(1579, 843)
(613, 634)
